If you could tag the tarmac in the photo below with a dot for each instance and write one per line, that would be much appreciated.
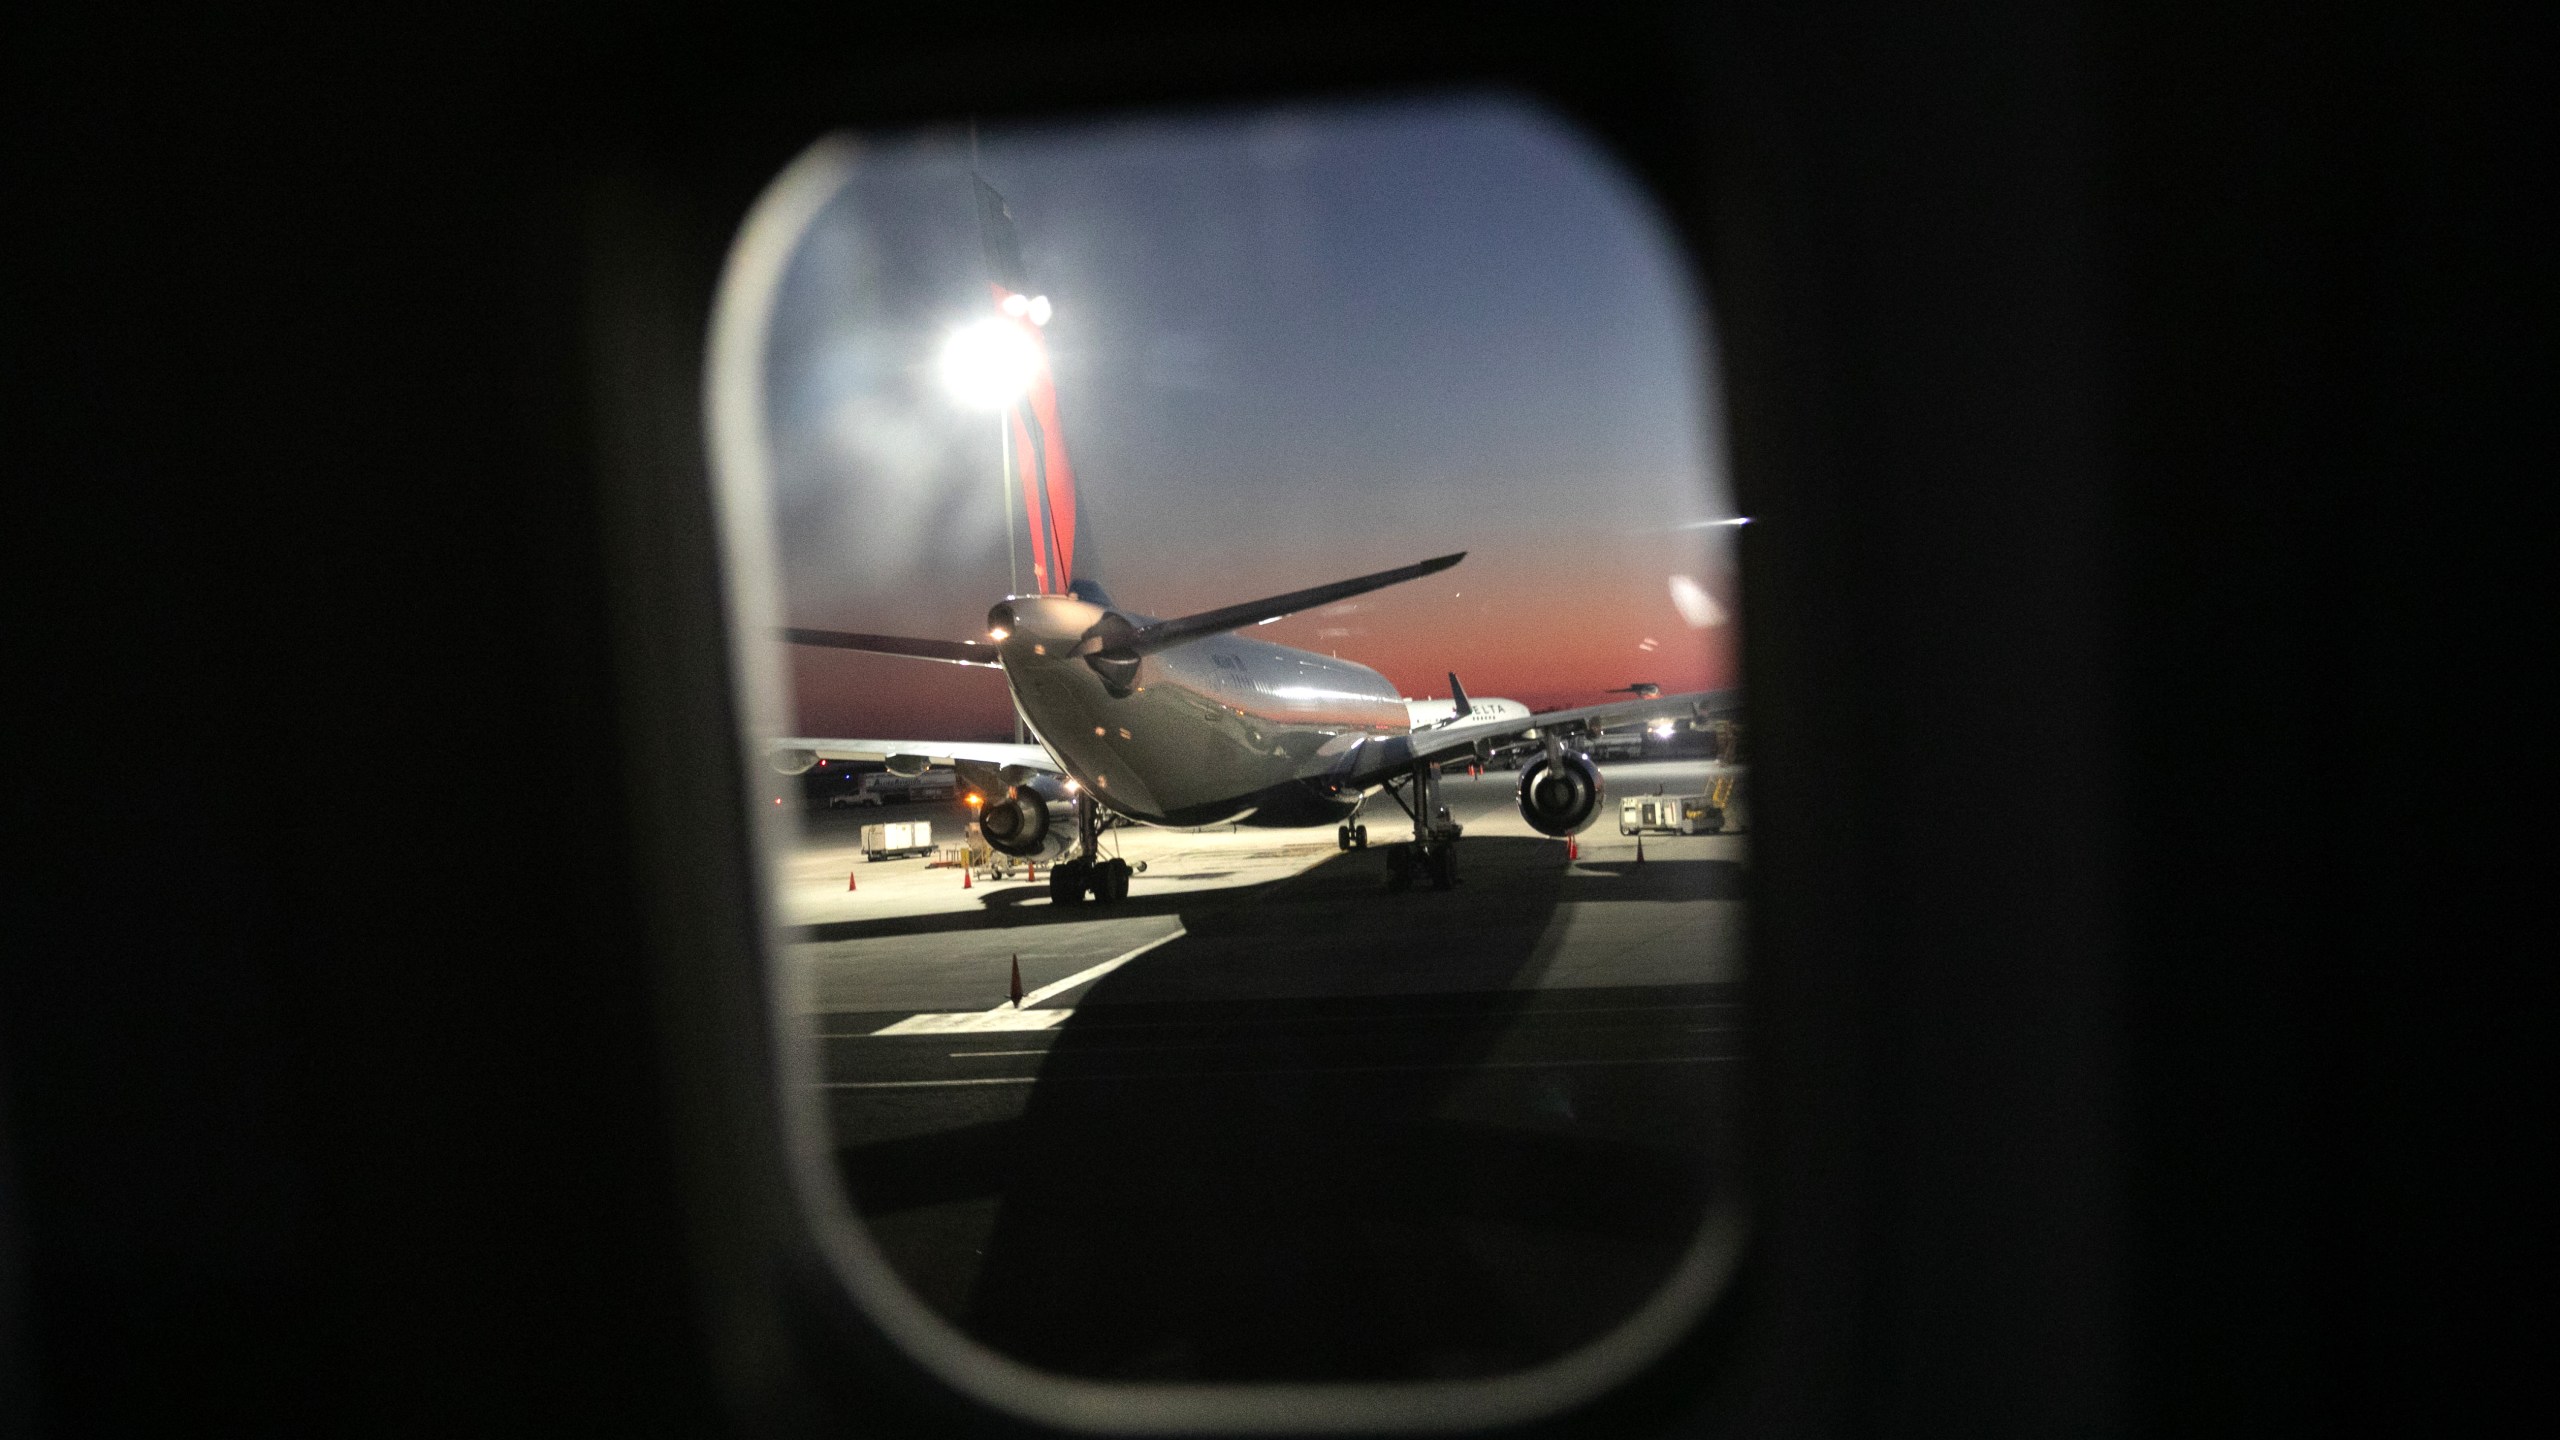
(1265, 1120)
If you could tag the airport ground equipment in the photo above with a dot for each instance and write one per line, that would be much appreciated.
(1716, 811)
(897, 839)
(889, 788)
(969, 852)
(1668, 815)
(1619, 744)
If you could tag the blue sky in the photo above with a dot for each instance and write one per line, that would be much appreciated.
(1290, 345)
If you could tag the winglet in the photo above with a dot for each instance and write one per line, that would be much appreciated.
(1458, 696)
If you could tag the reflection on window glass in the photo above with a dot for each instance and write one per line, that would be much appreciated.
(1262, 748)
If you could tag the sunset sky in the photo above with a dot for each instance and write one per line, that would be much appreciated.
(1291, 346)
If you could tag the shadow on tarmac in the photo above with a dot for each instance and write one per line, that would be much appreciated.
(1358, 873)
(1347, 1186)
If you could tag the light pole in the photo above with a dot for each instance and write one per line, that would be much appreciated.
(989, 365)
(1004, 482)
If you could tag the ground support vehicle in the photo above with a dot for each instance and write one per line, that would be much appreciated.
(897, 839)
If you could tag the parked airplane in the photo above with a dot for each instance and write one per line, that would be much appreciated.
(1438, 714)
(1183, 722)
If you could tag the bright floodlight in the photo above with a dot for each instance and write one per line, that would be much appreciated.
(989, 364)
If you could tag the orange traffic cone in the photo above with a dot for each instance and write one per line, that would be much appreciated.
(851, 879)
(1017, 980)
(965, 882)
(1572, 848)
(1031, 870)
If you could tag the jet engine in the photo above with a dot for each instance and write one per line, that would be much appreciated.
(1561, 797)
(1019, 825)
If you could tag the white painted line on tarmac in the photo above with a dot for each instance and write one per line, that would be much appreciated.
(1315, 1070)
(974, 1022)
(1097, 972)
(1122, 1022)
(1009, 1016)
(1229, 1044)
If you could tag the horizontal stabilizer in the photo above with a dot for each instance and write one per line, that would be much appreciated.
(1163, 634)
(951, 652)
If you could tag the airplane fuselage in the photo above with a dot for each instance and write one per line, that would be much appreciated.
(1222, 730)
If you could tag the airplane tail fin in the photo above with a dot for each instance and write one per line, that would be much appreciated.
(1458, 696)
(1044, 477)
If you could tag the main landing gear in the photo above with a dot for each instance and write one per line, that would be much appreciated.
(1107, 881)
(1432, 854)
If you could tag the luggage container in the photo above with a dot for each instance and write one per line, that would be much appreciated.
(897, 839)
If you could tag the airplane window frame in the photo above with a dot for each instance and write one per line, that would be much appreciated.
(1683, 1304)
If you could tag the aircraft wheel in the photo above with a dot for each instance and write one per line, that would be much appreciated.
(1442, 863)
(1359, 837)
(1066, 883)
(1342, 838)
(1111, 882)
(1399, 868)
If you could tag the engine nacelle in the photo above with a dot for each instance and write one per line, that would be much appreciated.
(1561, 798)
(1020, 825)
(791, 762)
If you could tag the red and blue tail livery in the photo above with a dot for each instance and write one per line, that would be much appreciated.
(1046, 478)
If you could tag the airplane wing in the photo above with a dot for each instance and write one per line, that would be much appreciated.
(1696, 705)
(941, 752)
(950, 652)
(791, 756)
(981, 763)
(1382, 759)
